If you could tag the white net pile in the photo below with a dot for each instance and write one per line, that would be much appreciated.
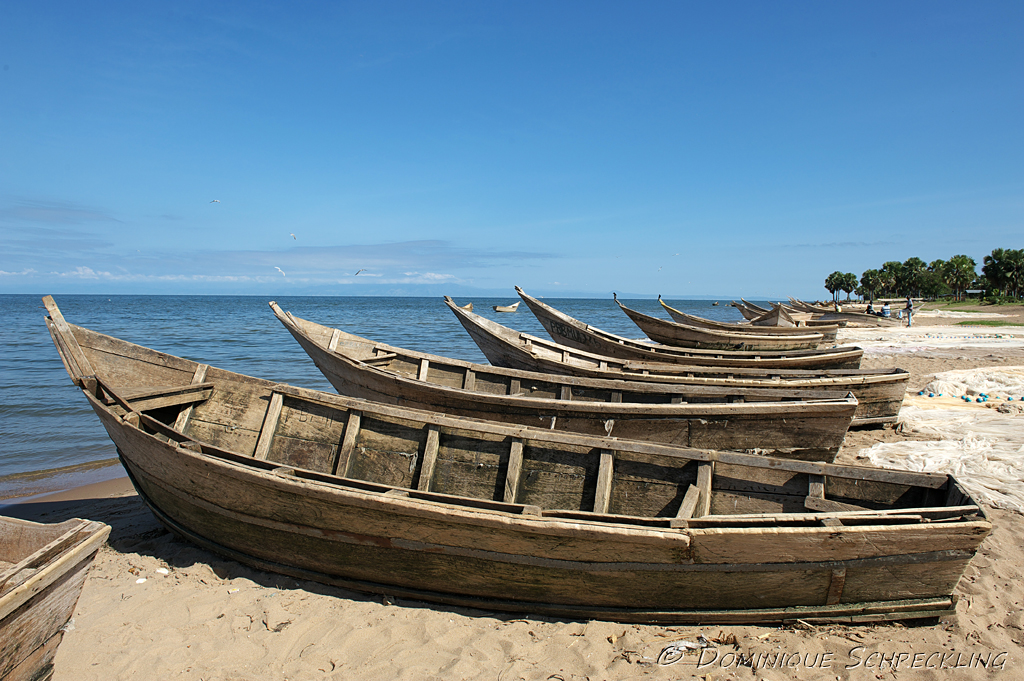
(983, 448)
(1004, 382)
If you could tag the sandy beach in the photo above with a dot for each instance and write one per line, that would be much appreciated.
(157, 607)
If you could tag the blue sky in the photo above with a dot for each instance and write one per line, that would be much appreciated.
(574, 148)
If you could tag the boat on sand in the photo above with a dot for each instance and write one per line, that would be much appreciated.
(794, 423)
(572, 333)
(42, 570)
(421, 505)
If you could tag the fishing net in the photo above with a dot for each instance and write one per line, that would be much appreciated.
(982, 447)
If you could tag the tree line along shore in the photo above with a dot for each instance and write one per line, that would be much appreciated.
(1001, 278)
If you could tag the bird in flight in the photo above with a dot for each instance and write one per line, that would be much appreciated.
(357, 273)
(293, 236)
(215, 201)
(280, 270)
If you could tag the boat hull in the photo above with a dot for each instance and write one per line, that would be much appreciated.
(577, 335)
(39, 590)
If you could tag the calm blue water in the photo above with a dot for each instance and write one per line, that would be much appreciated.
(46, 424)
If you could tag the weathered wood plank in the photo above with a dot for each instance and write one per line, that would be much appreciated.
(515, 471)
(835, 587)
(429, 459)
(185, 415)
(689, 505)
(704, 474)
(605, 476)
(266, 437)
(348, 444)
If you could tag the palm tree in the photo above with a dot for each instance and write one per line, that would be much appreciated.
(959, 273)
(913, 275)
(871, 281)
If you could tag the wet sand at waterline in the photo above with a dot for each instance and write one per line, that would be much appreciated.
(158, 607)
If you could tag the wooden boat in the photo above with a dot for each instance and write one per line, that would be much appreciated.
(469, 513)
(788, 423)
(507, 308)
(855, 318)
(748, 313)
(687, 336)
(468, 306)
(778, 317)
(771, 328)
(575, 334)
(879, 393)
(42, 571)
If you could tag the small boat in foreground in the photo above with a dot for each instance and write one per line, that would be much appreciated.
(507, 308)
(687, 336)
(804, 424)
(42, 571)
(420, 505)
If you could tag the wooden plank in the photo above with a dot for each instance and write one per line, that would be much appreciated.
(333, 345)
(515, 470)
(605, 475)
(689, 505)
(704, 473)
(820, 504)
(424, 368)
(185, 415)
(269, 427)
(835, 587)
(77, 356)
(348, 444)
(565, 393)
(816, 486)
(470, 381)
(429, 459)
(514, 386)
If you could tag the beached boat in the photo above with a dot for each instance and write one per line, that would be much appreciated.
(779, 317)
(421, 505)
(687, 336)
(507, 308)
(854, 318)
(879, 392)
(774, 322)
(42, 571)
(790, 423)
(576, 334)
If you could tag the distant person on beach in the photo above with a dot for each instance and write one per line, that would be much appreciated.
(910, 310)
(886, 312)
(871, 308)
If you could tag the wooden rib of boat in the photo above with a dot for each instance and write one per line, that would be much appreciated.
(687, 336)
(879, 393)
(468, 306)
(469, 513)
(789, 423)
(576, 334)
(42, 571)
(775, 323)
(507, 308)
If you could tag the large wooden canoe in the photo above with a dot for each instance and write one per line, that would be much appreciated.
(687, 336)
(788, 327)
(879, 392)
(421, 505)
(573, 333)
(791, 423)
(42, 571)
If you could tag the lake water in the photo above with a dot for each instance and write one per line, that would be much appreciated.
(46, 424)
